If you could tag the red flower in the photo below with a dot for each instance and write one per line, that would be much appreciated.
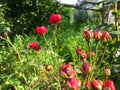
(96, 85)
(41, 30)
(34, 45)
(73, 84)
(82, 53)
(86, 68)
(109, 85)
(88, 85)
(107, 72)
(55, 18)
(97, 35)
(88, 34)
(67, 71)
(106, 37)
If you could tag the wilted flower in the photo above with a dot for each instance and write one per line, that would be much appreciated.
(67, 71)
(48, 67)
(55, 18)
(96, 85)
(86, 68)
(109, 85)
(107, 72)
(106, 37)
(97, 35)
(34, 45)
(73, 84)
(88, 85)
(41, 30)
(82, 53)
(88, 34)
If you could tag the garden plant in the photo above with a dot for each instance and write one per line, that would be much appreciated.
(58, 56)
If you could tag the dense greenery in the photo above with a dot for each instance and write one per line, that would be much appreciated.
(23, 68)
(24, 15)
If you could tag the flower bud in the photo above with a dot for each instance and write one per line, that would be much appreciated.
(88, 34)
(107, 72)
(97, 35)
(83, 55)
(73, 84)
(78, 50)
(86, 68)
(106, 37)
(5, 35)
(92, 54)
(109, 85)
(96, 85)
(88, 85)
(67, 71)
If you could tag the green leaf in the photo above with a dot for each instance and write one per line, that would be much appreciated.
(115, 32)
(118, 12)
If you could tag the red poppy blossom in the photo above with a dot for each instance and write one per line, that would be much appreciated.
(109, 85)
(73, 84)
(41, 30)
(34, 45)
(55, 18)
(67, 71)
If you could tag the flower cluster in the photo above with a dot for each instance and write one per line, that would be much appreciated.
(88, 66)
(67, 71)
(105, 36)
(42, 30)
(99, 85)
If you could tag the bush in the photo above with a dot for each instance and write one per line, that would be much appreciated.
(25, 15)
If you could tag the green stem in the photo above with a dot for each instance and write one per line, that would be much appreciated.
(89, 53)
(55, 35)
(100, 62)
(116, 20)
(45, 40)
(94, 62)
(96, 54)
(8, 40)
(85, 80)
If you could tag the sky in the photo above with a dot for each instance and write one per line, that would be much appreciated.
(68, 1)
